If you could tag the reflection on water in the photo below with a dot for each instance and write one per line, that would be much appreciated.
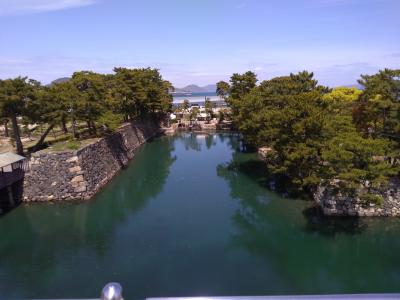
(36, 238)
(311, 253)
(192, 216)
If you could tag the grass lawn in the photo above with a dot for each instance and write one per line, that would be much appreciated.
(57, 139)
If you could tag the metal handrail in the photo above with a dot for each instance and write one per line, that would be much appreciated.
(293, 297)
(113, 291)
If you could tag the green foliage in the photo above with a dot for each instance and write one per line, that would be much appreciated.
(66, 145)
(208, 105)
(137, 92)
(15, 95)
(377, 112)
(73, 145)
(355, 159)
(222, 89)
(284, 113)
(242, 84)
(342, 94)
(223, 115)
(341, 99)
(185, 105)
(111, 120)
(368, 199)
(194, 112)
(92, 98)
(311, 130)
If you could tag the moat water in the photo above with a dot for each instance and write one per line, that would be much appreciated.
(192, 216)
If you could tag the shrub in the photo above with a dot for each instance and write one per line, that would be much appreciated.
(369, 198)
(73, 145)
(70, 145)
(111, 120)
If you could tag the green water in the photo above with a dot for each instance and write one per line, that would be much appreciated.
(191, 216)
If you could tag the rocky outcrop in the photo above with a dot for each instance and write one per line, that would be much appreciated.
(365, 202)
(78, 175)
(333, 202)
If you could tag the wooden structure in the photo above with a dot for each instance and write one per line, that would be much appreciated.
(12, 169)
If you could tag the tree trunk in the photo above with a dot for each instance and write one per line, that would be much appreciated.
(64, 125)
(42, 138)
(93, 128)
(89, 125)
(74, 129)
(17, 136)
(6, 133)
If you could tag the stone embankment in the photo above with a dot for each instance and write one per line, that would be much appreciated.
(78, 175)
(333, 202)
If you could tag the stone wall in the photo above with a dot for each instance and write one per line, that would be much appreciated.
(78, 175)
(335, 203)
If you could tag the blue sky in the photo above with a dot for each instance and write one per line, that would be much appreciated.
(200, 41)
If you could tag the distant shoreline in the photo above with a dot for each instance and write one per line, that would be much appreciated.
(196, 97)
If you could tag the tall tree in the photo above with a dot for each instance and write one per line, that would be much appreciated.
(377, 112)
(242, 84)
(185, 105)
(91, 97)
(285, 113)
(5, 124)
(52, 105)
(137, 92)
(312, 135)
(14, 95)
(342, 99)
(222, 89)
(66, 95)
(208, 105)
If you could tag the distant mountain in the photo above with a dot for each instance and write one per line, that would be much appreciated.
(210, 88)
(60, 80)
(197, 89)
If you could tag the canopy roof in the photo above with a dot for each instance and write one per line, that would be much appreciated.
(9, 158)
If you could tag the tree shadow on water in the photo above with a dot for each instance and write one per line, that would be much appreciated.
(53, 232)
(233, 173)
(331, 226)
(256, 170)
(251, 166)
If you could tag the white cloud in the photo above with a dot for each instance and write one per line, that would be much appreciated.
(14, 7)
